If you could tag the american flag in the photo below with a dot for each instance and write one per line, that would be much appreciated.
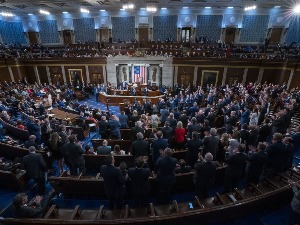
(140, 74)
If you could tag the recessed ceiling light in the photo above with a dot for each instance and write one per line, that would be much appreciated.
(230, 7)
(30, 14)
(65, 12)
(44, 12)
(163, 8)
(122, 9)
(102, 10)
(142, 8)
(277, 6)
(185, 7)
(208, 7)
(84, 10)
(296, 9)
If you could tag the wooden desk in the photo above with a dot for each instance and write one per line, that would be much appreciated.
(62, 115)
(116, 99)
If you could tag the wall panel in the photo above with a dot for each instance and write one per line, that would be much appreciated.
(252, 75)
(5, 76)
(43, 74)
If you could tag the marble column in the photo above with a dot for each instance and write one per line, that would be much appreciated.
(87, 73)
(290, 78)
(224, 75)
(36, 73)
(11, 74)
(48, 74)
(245, 76)
(64, 74)
(260, 75)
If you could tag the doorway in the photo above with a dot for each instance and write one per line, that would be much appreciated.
(276, 35)
(143, 36)
(67, 35)
(32, 36)
(186, 36)
(230, 35)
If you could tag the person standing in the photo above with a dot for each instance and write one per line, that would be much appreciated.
(114, 125)
(235, 166)
(73, 155)
(166, 165)
(193, 148)
(205, 174)
(140, 185)
(35, 167)
(114, 183)
(157, 145)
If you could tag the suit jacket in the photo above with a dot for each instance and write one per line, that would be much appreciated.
(205, 174)
(252, 139)
(164, 113)
(140, 184)
(140, 148)
(193, 148)
(103, 150)
(167, 132)
(166, 167)
(134, 132)
(263, 133)
(191, 128)
(114, 127)
(245, 117)
(157, 145)
(210, 144)
(123, 119)
(33, 129)
(236, 164)
(27, 211)
(276, 153)
(256, 162)
(35, 165)
(73, 154)
(114, 182)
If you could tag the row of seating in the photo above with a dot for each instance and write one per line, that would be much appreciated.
(217, 208)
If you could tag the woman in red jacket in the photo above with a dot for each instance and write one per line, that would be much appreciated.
(179, 136)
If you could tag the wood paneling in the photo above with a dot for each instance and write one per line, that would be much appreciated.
(185, 75)
(201, 69)
(96, 74)
(67, 68)
(32, 36)
(252, 75)
(234, 75)
(5, 76)
(276, 35)
(276, 76)
(43, 74)
(230, 34)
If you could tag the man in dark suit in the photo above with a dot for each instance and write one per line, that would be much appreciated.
(193, 149)
(167, 132)
(114, 125)
(276, 155)
(33, 127)
(104, 149)
(194, 126)
(140, 185)
(35, 167)
(45, 131)
(103, 127)
(123, 120)
(164, 113)
(172, 121)
(210, 143)
(264, 131)
(73, 155)
(235, 166)
(114, 183)
(205, 175)
(166, 165)
(21, 208)
(256, 162)
(140, 147)
(31, 142)
(136, 129)
(157, 145)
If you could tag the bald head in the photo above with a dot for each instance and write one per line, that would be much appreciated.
(208, 157)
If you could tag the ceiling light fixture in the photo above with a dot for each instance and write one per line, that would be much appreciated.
(65, 12)
(297, 9)
(84, 10)
(164, 8)
(44, 12)
(30, 14)
(248, 8)
(230, 7)
(129, 6)
(6, 14)
(151, 9)
(102, 10)
(277, 6)
(185, 7)
(208, 7)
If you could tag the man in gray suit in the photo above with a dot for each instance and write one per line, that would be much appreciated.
(104, 149)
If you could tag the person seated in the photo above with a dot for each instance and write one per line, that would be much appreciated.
(104, 149)
(117, 151)
(182, 167)
(21, 208)
(20, 125)
(89, 151)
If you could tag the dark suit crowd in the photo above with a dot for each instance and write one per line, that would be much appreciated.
(246, 127)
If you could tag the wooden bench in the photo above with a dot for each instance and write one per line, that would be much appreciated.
(220, 207)
(124, 144)
(20, 134)
(13, 181)
(94, 162)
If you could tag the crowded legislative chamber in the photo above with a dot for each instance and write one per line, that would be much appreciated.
(149, 112)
